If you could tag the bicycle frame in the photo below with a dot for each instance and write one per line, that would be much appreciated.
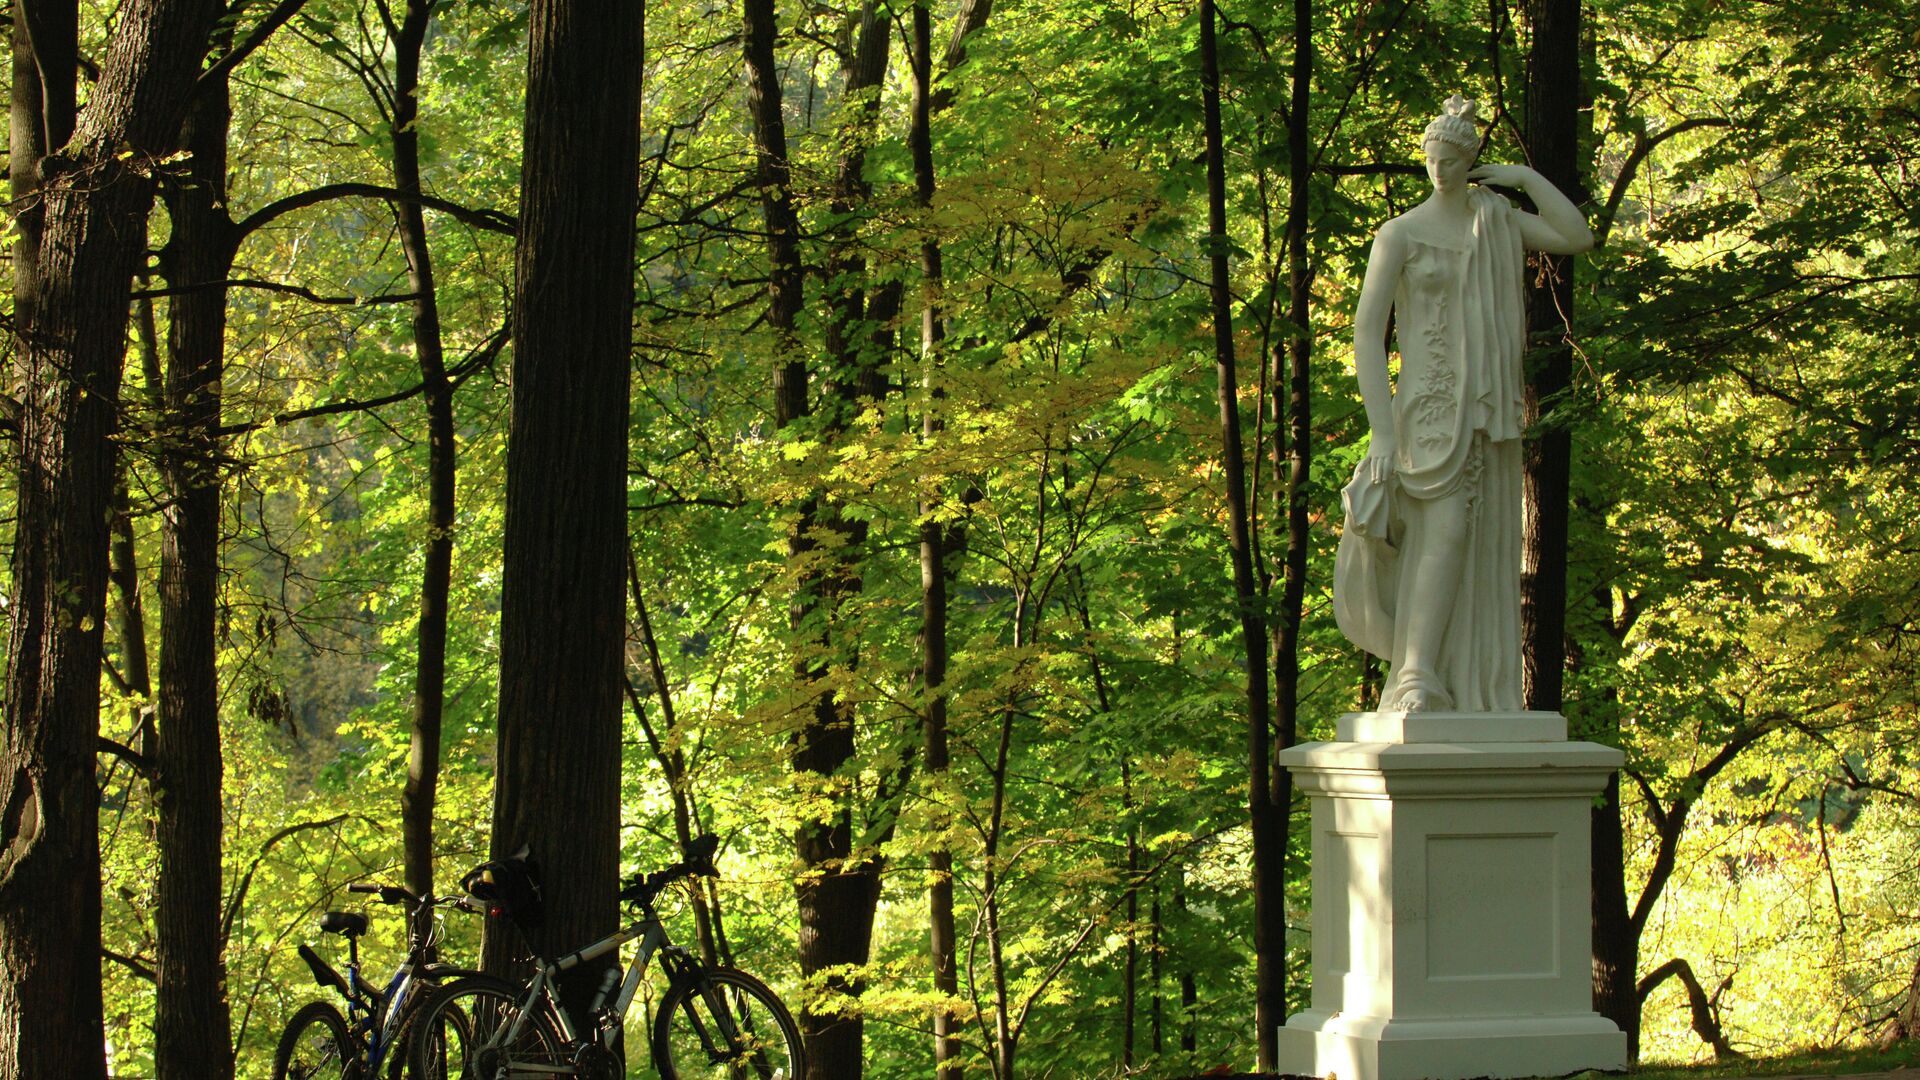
(374, 1014)
(653, 939)
(380, 1036)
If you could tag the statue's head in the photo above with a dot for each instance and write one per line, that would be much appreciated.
(1451, 144)
(1454, 126)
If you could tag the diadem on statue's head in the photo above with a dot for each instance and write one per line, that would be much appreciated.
(1454, 126)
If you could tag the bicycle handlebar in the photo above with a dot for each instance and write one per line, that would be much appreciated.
(642, 888)
(396, 894)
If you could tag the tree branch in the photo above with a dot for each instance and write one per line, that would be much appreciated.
(224, 66)
(246, 880)
(491, 220)
(140, 762)
(1674, 821)
(275, 286)
(132, 963)
(456, 374)
(1642, 146)
(1377, 169)
(1706, 1023)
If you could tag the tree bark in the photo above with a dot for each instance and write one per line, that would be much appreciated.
(1299, 447)
(45, 64)
(1269, 843)
(1553, 144)
(941, 939)
(95, 199)
(1702, 1009)
(430, 671)
(563, 601)
(192, 1033)
(1616, 944)
(837, 892)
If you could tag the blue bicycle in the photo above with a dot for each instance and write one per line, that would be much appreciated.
(319, 1043)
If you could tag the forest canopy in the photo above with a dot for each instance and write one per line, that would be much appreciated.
(962, 408)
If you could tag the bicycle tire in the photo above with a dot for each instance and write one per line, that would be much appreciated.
(763, 1042)
(455, 1023)
(314, 1046)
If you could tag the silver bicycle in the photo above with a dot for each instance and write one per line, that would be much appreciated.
(713, 1023)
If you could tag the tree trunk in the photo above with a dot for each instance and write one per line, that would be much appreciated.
(1189, 988)
(1616, 944)
(563, 601)
(1553, 144)
(1299, 444)
(191, 1032)
(1130, 970)
(430, 672)
(836, 894)
(94, 204)
(45, 63)
(1269, 843)
(941, 940)
(1157, 1037)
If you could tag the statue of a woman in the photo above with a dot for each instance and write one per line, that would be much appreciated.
(1428, 574)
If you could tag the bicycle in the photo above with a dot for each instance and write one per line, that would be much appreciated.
(319, 1042)
(712, 1022)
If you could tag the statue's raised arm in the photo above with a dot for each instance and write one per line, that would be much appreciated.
(1428, 572)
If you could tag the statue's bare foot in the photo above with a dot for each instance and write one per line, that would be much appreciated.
(1421, 692)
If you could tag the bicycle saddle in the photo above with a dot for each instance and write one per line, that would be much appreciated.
(345, 923)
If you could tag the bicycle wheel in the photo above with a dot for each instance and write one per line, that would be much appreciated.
(460, 1033)
(314, 1046)
(726, 1025)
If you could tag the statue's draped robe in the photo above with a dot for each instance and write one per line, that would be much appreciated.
(1457, 411)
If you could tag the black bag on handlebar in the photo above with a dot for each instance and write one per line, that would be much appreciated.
(509, 887)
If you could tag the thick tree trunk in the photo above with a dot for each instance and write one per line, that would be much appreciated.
(430, 671)
(95, 201)
(1269, 843)
(192, 1035)
(563, 602)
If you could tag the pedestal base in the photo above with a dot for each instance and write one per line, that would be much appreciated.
(1450, 900)
(1315, 1044)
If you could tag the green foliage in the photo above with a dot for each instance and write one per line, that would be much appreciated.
(1743, 557)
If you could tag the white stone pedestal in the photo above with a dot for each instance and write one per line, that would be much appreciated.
(1451, 926)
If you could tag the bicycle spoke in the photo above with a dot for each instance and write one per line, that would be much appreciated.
(731, 1029)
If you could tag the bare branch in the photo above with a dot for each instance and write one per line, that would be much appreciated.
(239, 896)
(141, 968)
(490, 220)
(224, 66)
(458, 374)
(279, 287)
(1377, 169)
(1706, 1021)
(1642, 146)
(140, 762)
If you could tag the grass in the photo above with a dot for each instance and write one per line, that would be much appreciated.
(1839, 1062)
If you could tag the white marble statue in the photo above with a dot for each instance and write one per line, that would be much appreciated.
(1428, 572)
